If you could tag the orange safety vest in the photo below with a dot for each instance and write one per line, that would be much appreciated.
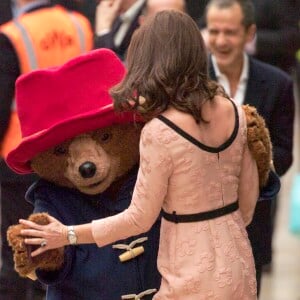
(44, 38)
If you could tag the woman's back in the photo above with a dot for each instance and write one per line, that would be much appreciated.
(220, 115)
(206, 157)
(210, 167)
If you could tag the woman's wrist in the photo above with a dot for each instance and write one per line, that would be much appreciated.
(64, 232)
(71, 235)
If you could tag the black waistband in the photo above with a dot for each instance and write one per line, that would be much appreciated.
(206, 215)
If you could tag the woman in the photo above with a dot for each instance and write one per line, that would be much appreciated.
(195, 165)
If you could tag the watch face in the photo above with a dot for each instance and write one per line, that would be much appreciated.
(72, 236)
(72, 239)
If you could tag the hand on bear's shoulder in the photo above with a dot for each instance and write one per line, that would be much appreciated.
(26, 265)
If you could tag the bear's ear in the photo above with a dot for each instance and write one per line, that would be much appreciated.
(259, 143)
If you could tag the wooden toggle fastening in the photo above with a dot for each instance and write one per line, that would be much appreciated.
(131, 251)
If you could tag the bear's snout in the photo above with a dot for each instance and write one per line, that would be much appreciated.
(87, 169)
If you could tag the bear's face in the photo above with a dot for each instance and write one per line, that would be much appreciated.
(91, 162)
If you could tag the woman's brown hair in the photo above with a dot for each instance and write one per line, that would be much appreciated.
(167, 65)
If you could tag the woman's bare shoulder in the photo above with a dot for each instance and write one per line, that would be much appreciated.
(223, 107)
(222, 102)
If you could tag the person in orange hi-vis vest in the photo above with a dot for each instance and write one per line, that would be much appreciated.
(40, 35)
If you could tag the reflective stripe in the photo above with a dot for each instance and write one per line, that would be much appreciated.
(80, 32)
(28, 45)
(13, 106)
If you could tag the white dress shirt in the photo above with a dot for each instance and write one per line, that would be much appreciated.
(127, 18)
(239, 96)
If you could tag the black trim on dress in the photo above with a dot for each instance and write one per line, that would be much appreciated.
(202, 216)
(198, 143)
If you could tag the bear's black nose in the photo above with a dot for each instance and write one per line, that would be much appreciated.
(87, 169)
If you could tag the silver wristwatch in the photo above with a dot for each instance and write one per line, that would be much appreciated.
(72, 237)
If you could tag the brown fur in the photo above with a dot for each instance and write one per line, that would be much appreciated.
(259, 143)
(114, 150)
(24, 263)
(60, 163)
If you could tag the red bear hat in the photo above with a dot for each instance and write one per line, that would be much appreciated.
(57, 104)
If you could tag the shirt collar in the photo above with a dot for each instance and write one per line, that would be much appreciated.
(130, 13)
(245, 71)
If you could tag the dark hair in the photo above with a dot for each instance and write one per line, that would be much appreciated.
(167, 65)
(247, 8)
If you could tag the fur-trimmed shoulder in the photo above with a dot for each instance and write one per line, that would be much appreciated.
(259, 142)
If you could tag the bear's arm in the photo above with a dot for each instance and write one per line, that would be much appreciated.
(46, 197)
(259, 142)
(260, 146)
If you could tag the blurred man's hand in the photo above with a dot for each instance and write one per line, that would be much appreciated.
(107, 11)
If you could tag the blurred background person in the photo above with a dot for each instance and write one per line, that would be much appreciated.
(154, 6)
(85, 7)
(277, 36)
(5, 11)
(40, 35)
(196, 8)
(115, 22)
(230, 26)
(277, 33)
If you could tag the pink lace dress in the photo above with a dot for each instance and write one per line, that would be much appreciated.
(209, 259)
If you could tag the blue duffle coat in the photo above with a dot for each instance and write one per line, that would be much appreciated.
(90, 272)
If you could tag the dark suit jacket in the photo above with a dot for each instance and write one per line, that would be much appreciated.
(196, 10)
(278, 34)
(85, 7)
(270, 90)
(5, 11)
(107, 40)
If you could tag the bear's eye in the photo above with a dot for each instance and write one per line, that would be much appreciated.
(60, 150)
(105, 137)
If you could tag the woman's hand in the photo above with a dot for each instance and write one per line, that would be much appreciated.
(50, 236)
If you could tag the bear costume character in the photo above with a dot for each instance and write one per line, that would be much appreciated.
(87, 157)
